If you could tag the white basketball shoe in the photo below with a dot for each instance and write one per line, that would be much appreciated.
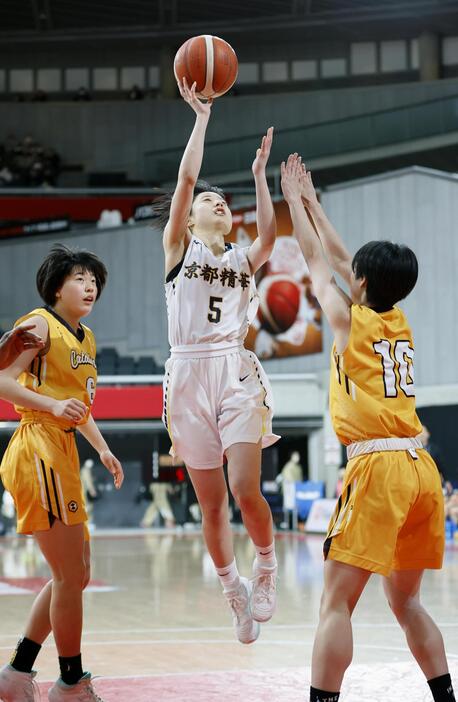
(16, 686)
(239, 601)
(264, 595)
(81, 692)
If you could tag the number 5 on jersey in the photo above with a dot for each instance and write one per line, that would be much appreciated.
(214, 315)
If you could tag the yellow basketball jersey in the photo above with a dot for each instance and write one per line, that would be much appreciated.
(66, 370)
(372, 393)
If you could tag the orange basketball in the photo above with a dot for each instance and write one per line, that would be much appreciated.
(280, 299)
(208, 61)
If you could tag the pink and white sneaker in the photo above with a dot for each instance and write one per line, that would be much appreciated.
(18, 687)
(264, 594)
(246, 628)
(81, 692)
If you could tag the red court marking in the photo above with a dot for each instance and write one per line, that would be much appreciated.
(377, 682)
(243, 686)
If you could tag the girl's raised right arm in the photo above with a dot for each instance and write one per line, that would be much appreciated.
(176, 230)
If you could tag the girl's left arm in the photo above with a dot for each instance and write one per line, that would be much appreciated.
(261, 248)
(92, 434)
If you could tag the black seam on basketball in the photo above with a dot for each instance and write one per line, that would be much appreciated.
(225, 86)
(228, 83)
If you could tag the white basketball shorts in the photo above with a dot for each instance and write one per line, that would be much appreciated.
(214, 401)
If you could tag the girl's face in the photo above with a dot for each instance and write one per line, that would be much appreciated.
(210, 211)
(78, 294)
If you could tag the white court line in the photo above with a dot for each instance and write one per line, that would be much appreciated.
(228, 642)
(179, 674)
(185, 674)
(269, 627)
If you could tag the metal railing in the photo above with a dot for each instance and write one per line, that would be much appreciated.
(324, 139)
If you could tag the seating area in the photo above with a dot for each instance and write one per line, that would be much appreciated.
(27, 163)
(109, 362)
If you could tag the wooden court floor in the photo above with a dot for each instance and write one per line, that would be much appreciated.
(158, 629)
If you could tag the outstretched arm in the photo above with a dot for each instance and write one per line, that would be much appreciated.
(176, 230)
(261, 248)
(336, 252)
(334, 303)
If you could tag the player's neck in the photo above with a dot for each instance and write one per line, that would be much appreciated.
(214, 240)
(73, 322)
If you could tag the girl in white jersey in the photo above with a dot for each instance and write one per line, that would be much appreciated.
(217, 399)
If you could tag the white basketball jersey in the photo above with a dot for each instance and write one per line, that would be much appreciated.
(212, 298)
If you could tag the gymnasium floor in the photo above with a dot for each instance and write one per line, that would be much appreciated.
(157, 628)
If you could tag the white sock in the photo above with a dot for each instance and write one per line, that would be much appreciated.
(229, 576)
(265, 556)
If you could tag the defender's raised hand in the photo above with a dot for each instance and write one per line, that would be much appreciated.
(291, 178)
(263, 153)
(308, 192)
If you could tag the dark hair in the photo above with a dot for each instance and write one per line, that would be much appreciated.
(59, 264)
(391, 271)
(161, 206)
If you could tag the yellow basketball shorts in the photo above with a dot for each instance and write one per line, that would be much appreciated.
(40, 468)
(390, 515)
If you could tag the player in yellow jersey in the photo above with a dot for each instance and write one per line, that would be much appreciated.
(390, 516)
(53, 389)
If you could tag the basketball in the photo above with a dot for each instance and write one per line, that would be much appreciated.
(280, 299)
(208, 61)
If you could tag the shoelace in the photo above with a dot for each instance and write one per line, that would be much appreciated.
(265, 585)
(237, 602)
(34, 689)
(90, 693)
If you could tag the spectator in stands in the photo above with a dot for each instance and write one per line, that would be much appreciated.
(290, 474)
(27, 163)
(82, 95)
(135, 93)
(292, 470)
(40, 96)
(159, 506)
(6, 175)
(451, 507)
